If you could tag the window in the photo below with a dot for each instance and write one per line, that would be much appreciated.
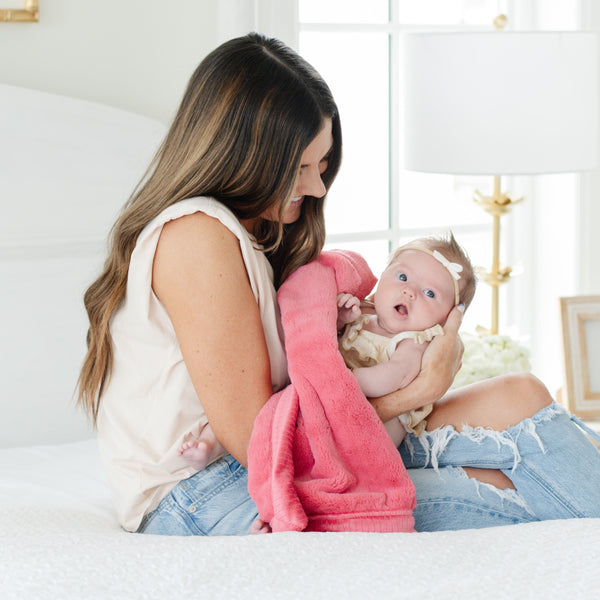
(376, 205)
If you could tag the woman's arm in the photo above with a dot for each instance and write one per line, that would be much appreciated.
(441, 361)
(200, 278)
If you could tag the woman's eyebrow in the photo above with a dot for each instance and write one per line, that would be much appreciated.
(325, 156)
(328, 153)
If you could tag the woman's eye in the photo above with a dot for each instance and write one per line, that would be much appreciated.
(429, 293)
(402, 277)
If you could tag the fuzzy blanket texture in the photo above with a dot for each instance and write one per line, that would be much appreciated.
(319, 458)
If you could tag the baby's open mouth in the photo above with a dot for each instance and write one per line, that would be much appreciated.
(401, 309)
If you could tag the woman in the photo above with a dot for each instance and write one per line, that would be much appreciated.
(184, 326)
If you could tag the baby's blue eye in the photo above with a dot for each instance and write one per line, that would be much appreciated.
(402, 276)
(429, 293)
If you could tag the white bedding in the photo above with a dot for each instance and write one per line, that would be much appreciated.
(59, 540)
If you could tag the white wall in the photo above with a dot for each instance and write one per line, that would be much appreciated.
(133, 54)
(66, 168)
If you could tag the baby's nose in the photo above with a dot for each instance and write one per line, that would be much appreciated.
(408, 291)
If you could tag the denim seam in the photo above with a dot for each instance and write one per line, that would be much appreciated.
(170, 505)
(550, 491)
(233, 476)
(474, 507)
(187, 517)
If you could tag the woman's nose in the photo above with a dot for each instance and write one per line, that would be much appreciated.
(311, 185)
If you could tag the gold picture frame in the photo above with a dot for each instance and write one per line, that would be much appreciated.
(580, 317)
(28, 14)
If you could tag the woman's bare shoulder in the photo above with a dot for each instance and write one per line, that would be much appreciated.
(193, 244)
(197, 227)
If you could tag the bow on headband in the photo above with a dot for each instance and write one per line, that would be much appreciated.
(454, 268)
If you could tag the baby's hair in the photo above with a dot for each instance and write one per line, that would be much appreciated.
(451, 250)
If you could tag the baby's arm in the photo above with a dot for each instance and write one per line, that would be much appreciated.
(392, 375)
(348, 309)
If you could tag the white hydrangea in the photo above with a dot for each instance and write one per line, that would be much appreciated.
(490, 355)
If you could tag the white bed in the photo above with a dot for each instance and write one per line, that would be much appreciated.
(65, 168)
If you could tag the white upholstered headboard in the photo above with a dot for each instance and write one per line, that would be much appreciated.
(66, 168)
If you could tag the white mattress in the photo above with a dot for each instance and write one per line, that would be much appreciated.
(59, 539)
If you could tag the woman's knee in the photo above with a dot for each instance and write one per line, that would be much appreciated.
(529, 391)
(497, 403)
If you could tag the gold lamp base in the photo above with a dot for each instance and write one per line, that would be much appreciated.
(497, 205)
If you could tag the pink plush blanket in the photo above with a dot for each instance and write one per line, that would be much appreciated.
(319, 458)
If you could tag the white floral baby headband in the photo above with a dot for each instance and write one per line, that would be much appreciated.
(453, 268)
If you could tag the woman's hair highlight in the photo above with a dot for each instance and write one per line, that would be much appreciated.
(249, 111)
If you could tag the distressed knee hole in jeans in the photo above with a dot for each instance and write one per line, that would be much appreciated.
(548, 457)
(508, 494)
(434, 443)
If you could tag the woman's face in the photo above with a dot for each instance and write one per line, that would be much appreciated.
(308, 183)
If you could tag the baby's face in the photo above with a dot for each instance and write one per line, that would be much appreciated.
(415, 292)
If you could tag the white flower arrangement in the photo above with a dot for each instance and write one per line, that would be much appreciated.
(490, 355)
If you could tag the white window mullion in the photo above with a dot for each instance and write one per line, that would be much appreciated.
(395, 133)
(235, 18)
(589, 187)
(278, 19)
(270, 17)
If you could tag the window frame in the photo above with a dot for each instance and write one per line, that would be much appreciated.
(521, 297)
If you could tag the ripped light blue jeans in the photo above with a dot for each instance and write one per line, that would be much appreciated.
(554, 466)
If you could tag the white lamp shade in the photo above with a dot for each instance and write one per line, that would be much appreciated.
(500, 103)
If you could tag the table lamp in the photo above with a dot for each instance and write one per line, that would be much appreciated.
(500, 103)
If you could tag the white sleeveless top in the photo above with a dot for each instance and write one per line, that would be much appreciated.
(149, 406)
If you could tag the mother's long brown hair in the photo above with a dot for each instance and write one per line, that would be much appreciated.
(250, 110)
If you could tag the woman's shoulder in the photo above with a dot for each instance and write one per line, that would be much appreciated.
(192, 253)
(197, 232)
(201, 207)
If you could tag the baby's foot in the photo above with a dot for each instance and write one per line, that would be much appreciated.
(200, 452)
(259, 526)
(197, 453)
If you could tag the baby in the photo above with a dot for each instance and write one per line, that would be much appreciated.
(384, 342)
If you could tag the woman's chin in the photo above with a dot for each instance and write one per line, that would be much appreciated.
(293, 212)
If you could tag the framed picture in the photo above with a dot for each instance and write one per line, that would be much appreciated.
(21, 14)
(580, 316)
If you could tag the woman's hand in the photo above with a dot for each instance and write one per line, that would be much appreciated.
(441, 361)
(443, 357)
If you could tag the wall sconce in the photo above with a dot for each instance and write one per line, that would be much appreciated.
(28, 14)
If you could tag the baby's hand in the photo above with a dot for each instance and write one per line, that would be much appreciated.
(348, 309)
